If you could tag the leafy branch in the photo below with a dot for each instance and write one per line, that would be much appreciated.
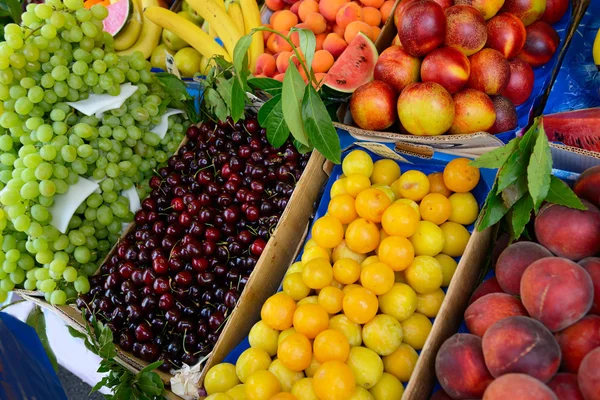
(178, 95)
(145, 385)
(523, 183)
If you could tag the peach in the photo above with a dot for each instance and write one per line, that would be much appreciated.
(329, 8)
(556, 292)
(306, 7)
(486, 287)
(295, 7)
(320, 38)
(295, 37)
(445, 3)
(372, 16)
(284, 20)
(322, 61)
(376, 32)
(316, 23)
(338, 29)
(399, 12)
(518, 387)
(397, 68)
(506, 115)
(396, 42)
(490, 72)
(556, 226)
(349, 12)
(520, 84)
(266, 34)
(474, 112)
(506, 33)
(564, 386)
(514, 261)
(488, 8)
(334, 44)
(540, 45)
(577, 341)
(460, 367)
(265, 65)
(592, 266)
(426, 109)
(555, 9)
(422, 27)
(466, 30)
(448, 67)
(521, 345)
(587, 185)
(589, 376)
(354, 28)
(283, 61)
(372, 106)
(279, 77)
(490, 309)
(277, 44)
(527, 11)
(372, 3)
(275, 5)
(386, 10)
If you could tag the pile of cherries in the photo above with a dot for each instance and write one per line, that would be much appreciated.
(168, 288)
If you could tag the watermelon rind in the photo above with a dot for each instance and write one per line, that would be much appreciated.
(354, 67)
(118, 16)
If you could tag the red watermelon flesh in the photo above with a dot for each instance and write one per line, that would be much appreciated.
(118, 15)
(354, 67)
(579, 128)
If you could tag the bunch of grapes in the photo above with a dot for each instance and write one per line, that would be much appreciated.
(60, 54)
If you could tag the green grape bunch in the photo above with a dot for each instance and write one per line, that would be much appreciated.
(60, 54)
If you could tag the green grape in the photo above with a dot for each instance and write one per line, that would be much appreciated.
(17, 276)
(68, 153)
(29, 284)
(30, 190)
(6, 285)
(12, 255)
(47, 285)
(82, 284)
(28, 175)
(9, 266)
(70, 274)
(61, 243)
(44, 257)
(35, 230)
(58, 297)
(82, 254)
(43, 171)
(58, 266)
(39, 212)
(26, 262)
(41, 274)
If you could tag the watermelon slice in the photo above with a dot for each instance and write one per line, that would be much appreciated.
(354, 67)
(580, 128)
(118, 15)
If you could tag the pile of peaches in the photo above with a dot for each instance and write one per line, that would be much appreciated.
(459, 68)
(535, 326)
(334, 22)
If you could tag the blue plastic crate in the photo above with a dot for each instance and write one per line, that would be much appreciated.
(436, 164)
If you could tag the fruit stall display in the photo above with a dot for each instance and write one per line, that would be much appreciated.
(356, 308)
(49, 66)
(470, 67)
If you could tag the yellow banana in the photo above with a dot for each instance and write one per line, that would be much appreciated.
(149, 36)
(219, 21)
(128, 36)
(186, 30)
(251, 21)
(235, 12)
(596, 50)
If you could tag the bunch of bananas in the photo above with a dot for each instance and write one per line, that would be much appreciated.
(140, 34)
(227, 22)
(596, 50)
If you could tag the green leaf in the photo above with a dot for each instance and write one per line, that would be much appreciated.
(150, 383)
(539, 169)
(291, 103)
(521, 214)
(302, 149)
(497, 157)
(238, 101)
(308, 44)
(561, 194)
(267, 85)
(37, 321)
(103, 382)
(492, 211)
(12, 9)
(215, 103)
(240, 54)
(514, 192)
(174, 86)
(107, 348)
(223, 87)
(124, 393)
(151, 367)
(320, 129)
(274, 122)
(75, 333)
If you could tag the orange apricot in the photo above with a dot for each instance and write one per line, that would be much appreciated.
(279, 77)
(372, 16)
(354, 28)
(265, 64)
(283, 61)
(386, 10)
(284, 21)
(275, 5)
(266, 34)
(320, 39)
(376, 31)
(322, 61)
(372, 3)
(273, 16)
(295, 7)
(295, 38)
(316, 22)
(338, 30)
(276, 43)
(329, 8)
(319, 76)
(334, 44)
(348, 13)
(306, 7)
